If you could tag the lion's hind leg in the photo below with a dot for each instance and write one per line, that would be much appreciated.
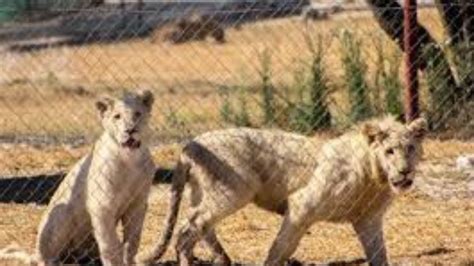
(16, 253)
(200, 224)
(54, 234)
(222, 258)
(210, 238)
(86, 253)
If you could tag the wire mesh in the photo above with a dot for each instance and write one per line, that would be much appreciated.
(265, 87)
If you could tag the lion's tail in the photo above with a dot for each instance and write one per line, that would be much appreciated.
(14, 252)
(180, 177)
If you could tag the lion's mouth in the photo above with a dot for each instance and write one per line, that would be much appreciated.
(131, 143)
(405, 183)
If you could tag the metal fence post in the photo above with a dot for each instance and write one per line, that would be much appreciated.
(412, 108)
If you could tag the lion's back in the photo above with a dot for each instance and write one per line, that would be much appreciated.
(275, 162)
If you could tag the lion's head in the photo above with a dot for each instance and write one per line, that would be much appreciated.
(396, 149)
(126, 119)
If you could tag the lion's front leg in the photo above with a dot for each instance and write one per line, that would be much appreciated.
(301, 213)
(132, 222)
(370, 234)
(286, 242)
(104, 228)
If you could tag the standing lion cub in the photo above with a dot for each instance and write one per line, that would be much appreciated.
(107, 186)
(352, 178)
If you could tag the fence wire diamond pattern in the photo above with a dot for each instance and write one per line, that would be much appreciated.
(272, 114)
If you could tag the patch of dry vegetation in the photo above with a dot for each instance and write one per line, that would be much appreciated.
(419, 231)
(23, 159)
(50, 92)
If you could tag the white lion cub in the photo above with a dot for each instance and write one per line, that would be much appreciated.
(349, 179)
(107, 186)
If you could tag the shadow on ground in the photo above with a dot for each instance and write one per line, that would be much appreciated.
(290, 263)
(40, 188)
(359, 261)
(349, 262)
(435, 252)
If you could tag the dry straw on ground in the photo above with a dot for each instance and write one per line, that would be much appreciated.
(51, 92)
(420, 229)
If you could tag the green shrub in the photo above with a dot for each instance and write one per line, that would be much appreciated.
(355, 71)
(175, 124)
(267, 89)
(442, 100)
(237, 115)
(311, 112)
(387, 94)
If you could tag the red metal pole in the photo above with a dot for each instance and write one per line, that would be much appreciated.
(412, 109)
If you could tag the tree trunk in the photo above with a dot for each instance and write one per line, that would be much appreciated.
(443, 86)
(467, 12)
(450, 11)
(389, 15)
(458, 19)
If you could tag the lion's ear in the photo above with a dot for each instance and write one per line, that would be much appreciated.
(147, 98)
(418, 127)
(372, 132)
(103, 104)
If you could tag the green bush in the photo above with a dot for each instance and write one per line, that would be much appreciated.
(388, 86)
(175, 124)
(355, 71)
(311, 112)
(267, 89)
(442, 100)
(237, 115)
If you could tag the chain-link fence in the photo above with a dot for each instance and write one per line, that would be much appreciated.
(317, 70)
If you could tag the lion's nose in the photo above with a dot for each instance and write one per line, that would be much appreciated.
(405, 172)
(131, 131)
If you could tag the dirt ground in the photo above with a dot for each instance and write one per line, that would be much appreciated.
(51, 93)
(419, 231)
(432, 225)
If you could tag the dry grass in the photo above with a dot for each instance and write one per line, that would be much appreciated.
(26, 160)
(420, 229)
(417, 230)
(50, 92)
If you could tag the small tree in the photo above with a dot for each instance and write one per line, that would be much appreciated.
(355, 71)
(267, 89)
(387, 81)
(236, 114)
(451, 82)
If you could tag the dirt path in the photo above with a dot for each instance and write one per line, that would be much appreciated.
(443, 182)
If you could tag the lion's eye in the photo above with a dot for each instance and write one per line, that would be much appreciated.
(411, 148)
(117, 116)
(390, 151)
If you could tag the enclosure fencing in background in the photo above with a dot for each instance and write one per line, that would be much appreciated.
(316, 69)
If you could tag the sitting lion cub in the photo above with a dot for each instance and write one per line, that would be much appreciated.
(108, 185)
(353, 178)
